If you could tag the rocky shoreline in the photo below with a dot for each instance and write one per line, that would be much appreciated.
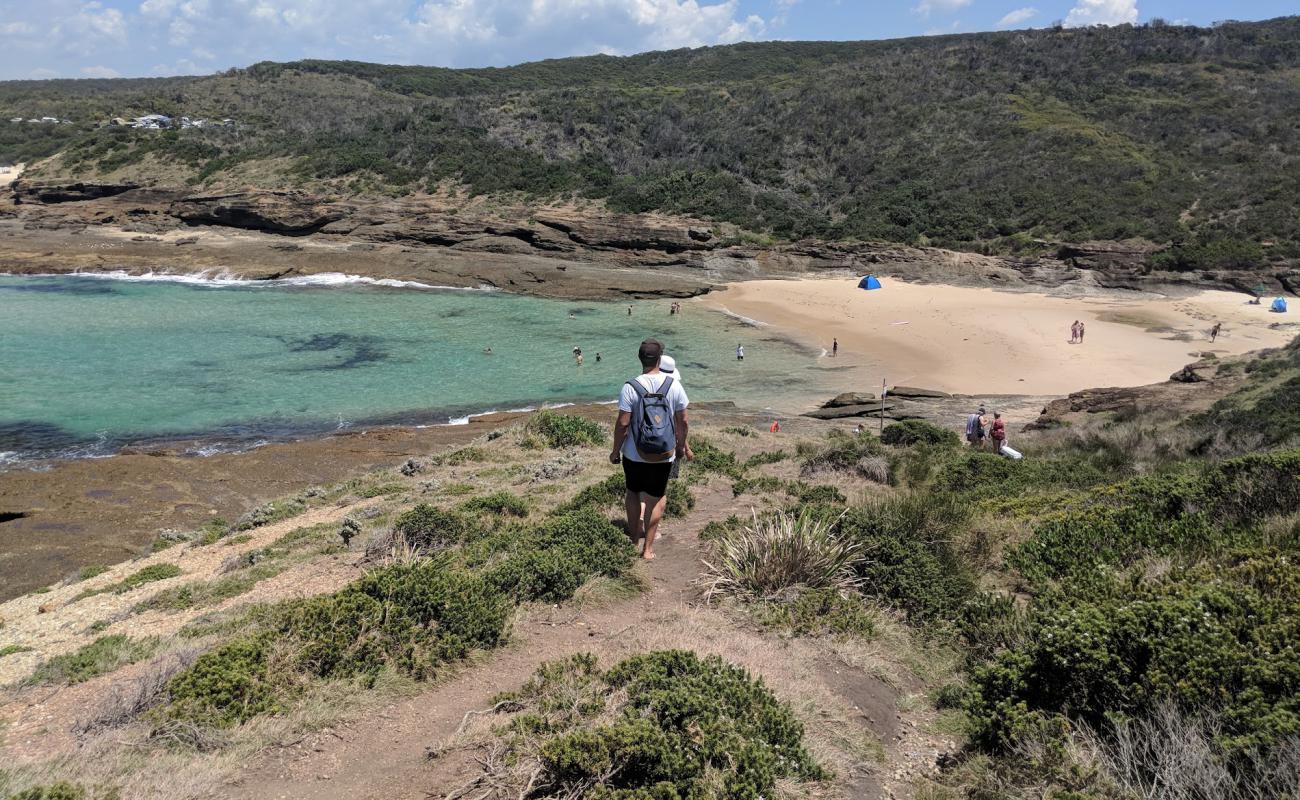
(569, 252)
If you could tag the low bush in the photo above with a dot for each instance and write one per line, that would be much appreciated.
(11, 649)
(766, 457)
(908, 559)
(716, 529)
(736, 430)
(918, 431)
(151, 573)
(820, 612)
(711, 458)
(1217, 636)
(551, 561)
(598, 495)
(680, 500)
(565, 430)
(57, 791)
(665, 724)
(986, 472)
(91, 571)
(761, 484)
(100, 657)
(778, 553)
(205, 593)
(817, 494)
(432, 529)
(860, 455)
(409, 617)
(465, 455)
(502, 503)
(274, 511)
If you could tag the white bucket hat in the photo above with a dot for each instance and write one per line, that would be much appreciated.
(668, 366)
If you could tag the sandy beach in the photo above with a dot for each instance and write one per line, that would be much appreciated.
(976, 341)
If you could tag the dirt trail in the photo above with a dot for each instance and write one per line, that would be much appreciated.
(383, 755)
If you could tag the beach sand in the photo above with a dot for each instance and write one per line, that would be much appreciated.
(9, 174)
(985, 341)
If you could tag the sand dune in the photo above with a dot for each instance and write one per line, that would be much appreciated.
(987, 341)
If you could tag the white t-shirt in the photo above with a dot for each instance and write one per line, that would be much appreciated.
(677, 401)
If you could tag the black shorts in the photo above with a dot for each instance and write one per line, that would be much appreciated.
(650, 479)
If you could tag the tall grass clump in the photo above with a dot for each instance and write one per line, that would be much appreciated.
(859, 455)
(781, 552)
(918, 431)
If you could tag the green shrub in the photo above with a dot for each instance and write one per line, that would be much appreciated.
(762, 484)
(716, 529)
(909, 560)
(711, 458)
(985, 472)
(766, 457)
(551, 561)
(503, 503)
(1219, 636)
(226, 686)
(666, 724)
(820, 612)
(737, 430)
(465, 455)
(11, 649)
(151, 573)
(101, 656)
(817, 494)
(91, 571)
(565, 430)
(680, 500)
(918, 431)
(598, 495)
(54, 791)
(432, 529)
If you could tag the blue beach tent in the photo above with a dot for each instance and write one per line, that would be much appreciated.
(869, 282)
(1279, 305)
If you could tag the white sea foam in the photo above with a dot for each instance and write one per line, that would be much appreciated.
(226, 278)
(757, 323)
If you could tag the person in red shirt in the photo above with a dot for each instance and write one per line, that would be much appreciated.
(998, 433)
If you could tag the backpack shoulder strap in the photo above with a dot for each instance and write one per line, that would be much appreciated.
(640, 390)
(664, 387)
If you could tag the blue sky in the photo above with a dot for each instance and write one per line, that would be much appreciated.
(109, 38)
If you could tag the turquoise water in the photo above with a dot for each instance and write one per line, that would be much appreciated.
(92, 364)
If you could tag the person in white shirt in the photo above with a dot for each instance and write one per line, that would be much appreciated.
(647, 481)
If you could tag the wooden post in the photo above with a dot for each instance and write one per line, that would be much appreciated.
(882, 405)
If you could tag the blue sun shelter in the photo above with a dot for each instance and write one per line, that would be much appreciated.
(869, 282)
(1279, 305)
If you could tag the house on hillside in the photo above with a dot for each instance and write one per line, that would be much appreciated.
(50, 120)
(152, 122)
(16, 119)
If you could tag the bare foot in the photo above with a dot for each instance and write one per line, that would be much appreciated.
(648, 556)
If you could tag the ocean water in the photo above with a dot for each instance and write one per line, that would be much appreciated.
(91, 364)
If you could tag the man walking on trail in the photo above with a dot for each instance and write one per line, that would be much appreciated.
(650, 433)
(1214, 332)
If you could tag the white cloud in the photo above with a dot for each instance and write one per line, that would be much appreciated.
(1017, 17)
(1102, 12)
(164, 36)
(927, 7)
(100, 72)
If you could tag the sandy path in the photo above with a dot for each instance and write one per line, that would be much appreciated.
(10, 174)
(974, 341)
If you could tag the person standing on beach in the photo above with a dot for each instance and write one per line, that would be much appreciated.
(999, 432)
(1214, 332)
(835, 347)
(640, 424)
(1074, 332)
(740, 352)
(629, 309)
(1080, 333)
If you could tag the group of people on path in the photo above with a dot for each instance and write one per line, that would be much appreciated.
(979, 430)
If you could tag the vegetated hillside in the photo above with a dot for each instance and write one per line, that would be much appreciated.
(983, 141)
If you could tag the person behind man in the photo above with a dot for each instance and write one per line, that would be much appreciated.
(975, 429)
(998, 433)
(647, 444)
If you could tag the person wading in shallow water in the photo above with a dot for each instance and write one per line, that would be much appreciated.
(649, 434)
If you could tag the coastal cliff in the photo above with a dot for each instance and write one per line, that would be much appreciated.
(571, 251)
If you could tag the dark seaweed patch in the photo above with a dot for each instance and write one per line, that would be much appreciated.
(353, 350)
(62, 286)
